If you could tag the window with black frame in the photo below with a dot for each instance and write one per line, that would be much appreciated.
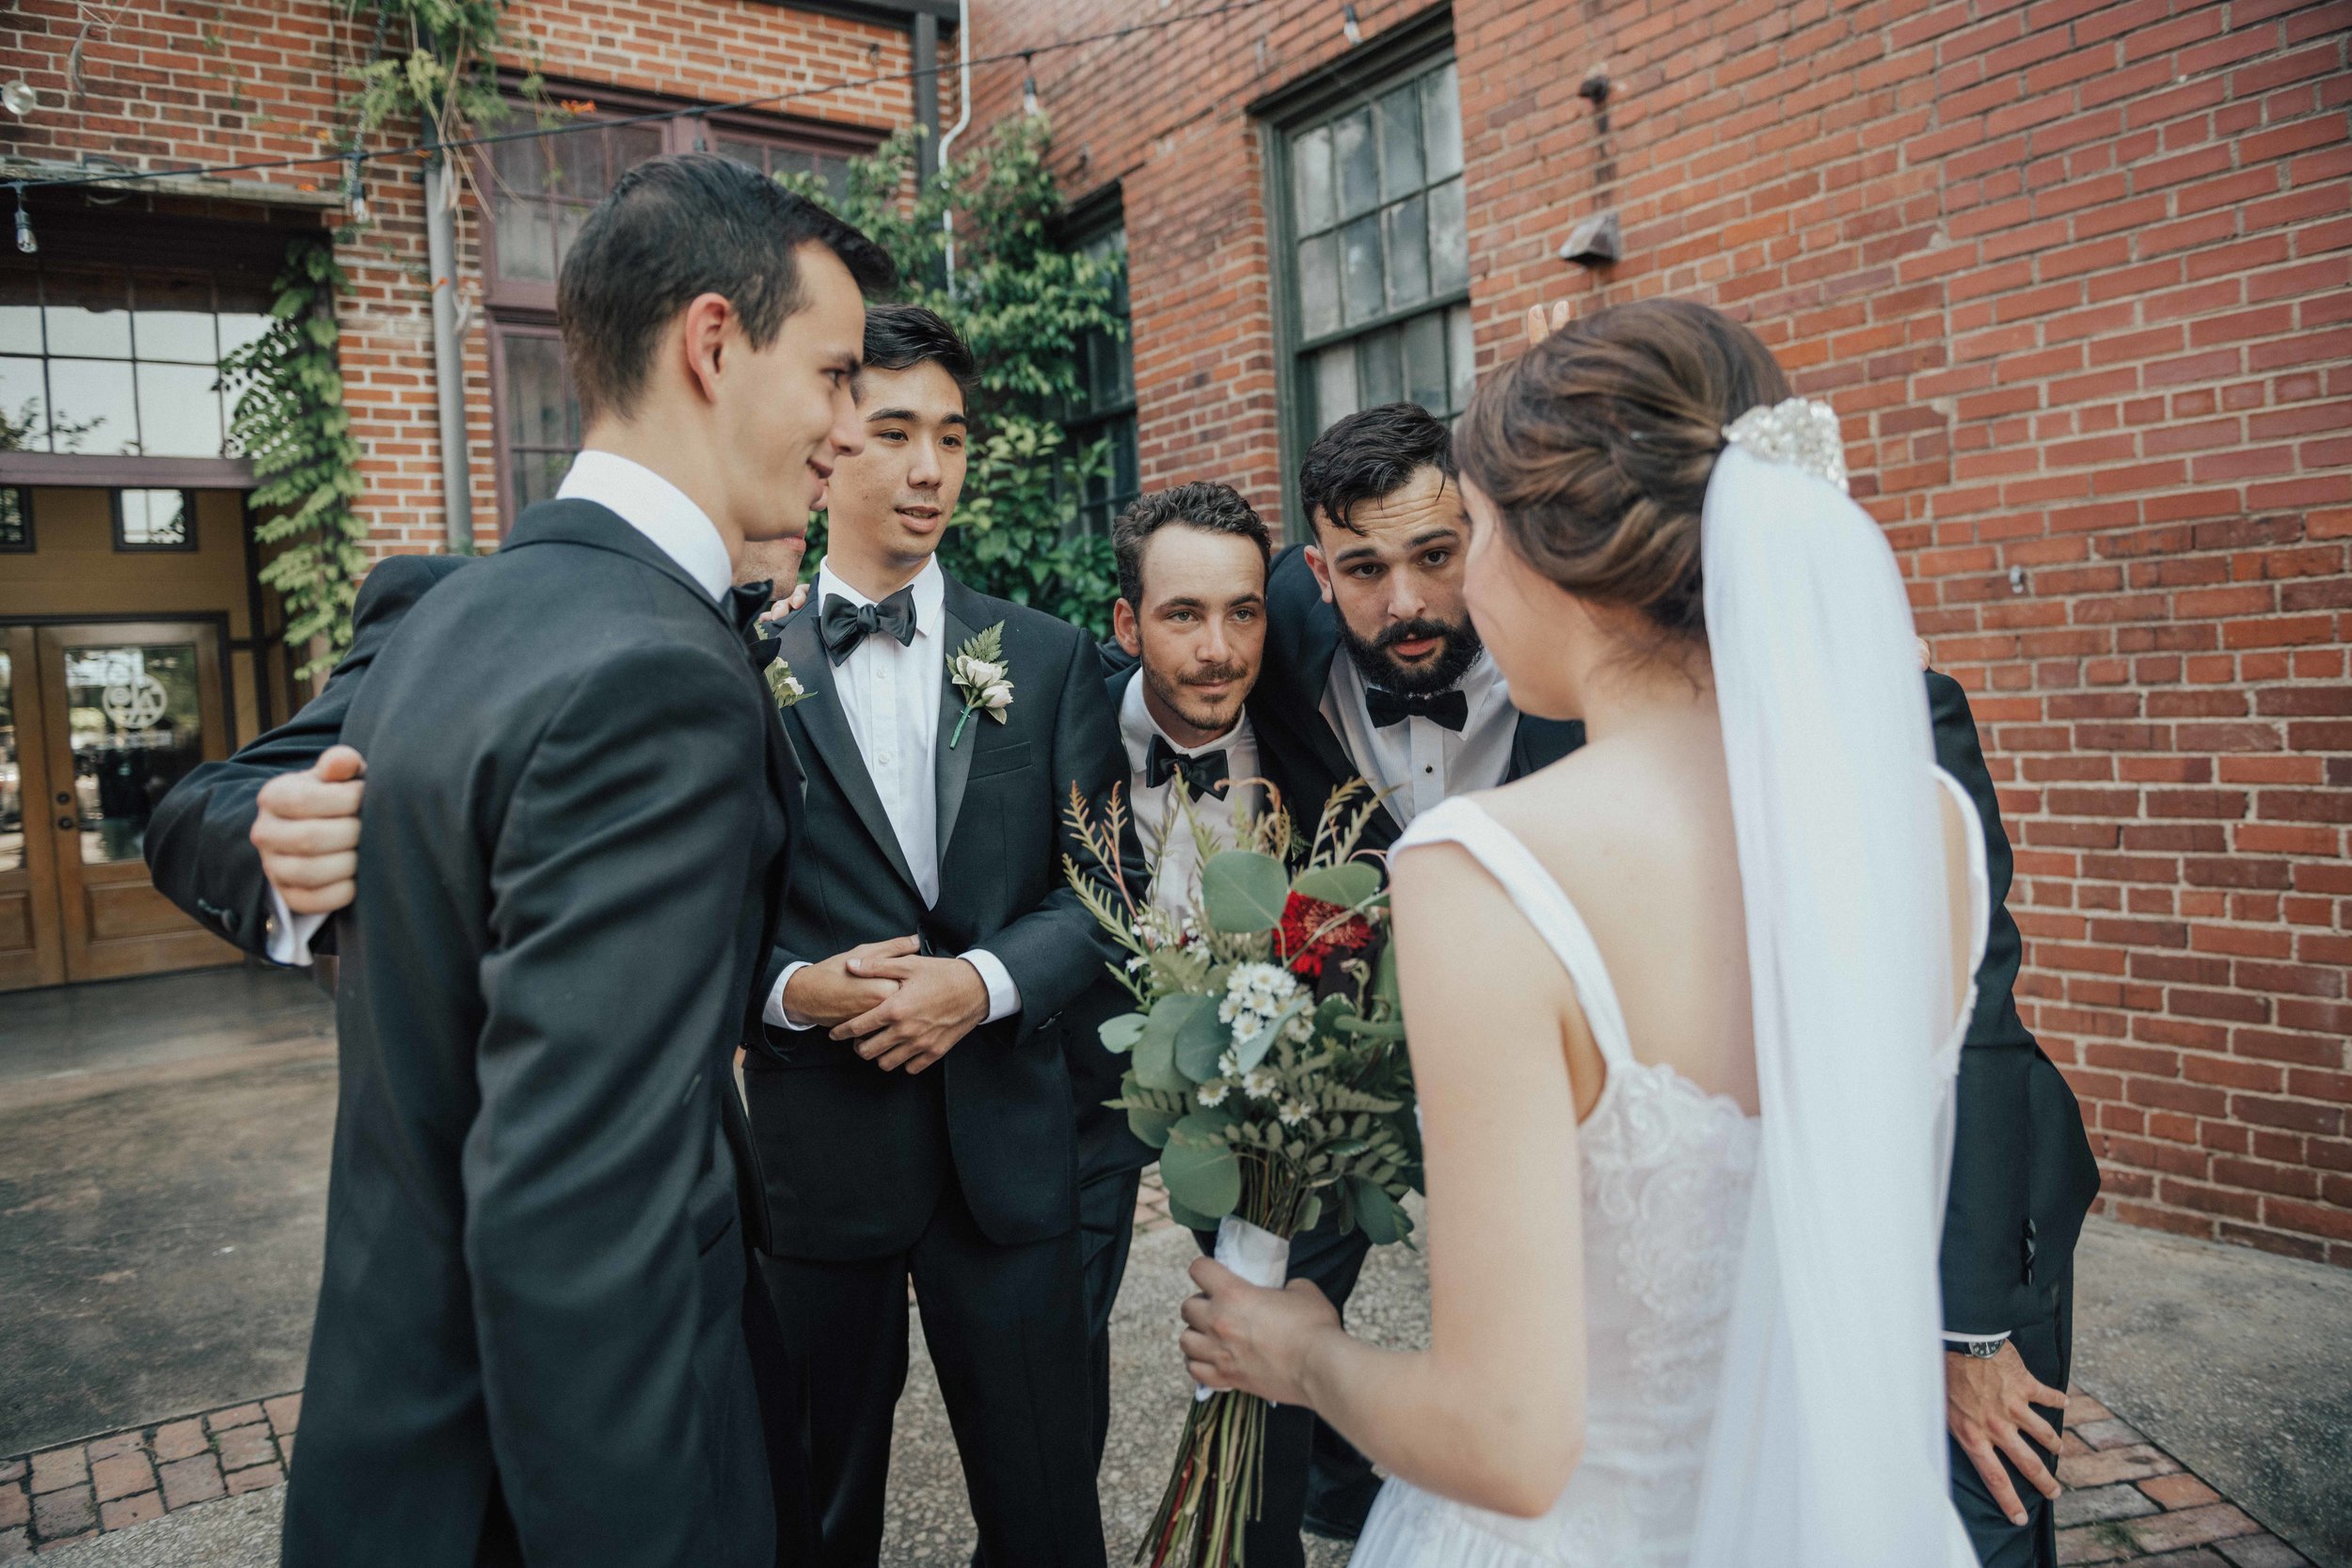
(1375, 253)
(1106, 408)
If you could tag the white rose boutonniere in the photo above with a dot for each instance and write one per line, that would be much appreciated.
(785, 684)
(982, 677)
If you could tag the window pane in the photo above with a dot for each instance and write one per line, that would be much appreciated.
(629, 145)
(16, 534)
(1335, 385)
(137, 725)
(576, 165)
(522, 166)
(1408, 253)
(90, 406)
(173, 319)
(1424, 363)
(89, 314)
(11, 775)
(752, 153)
(1461, 355)
(1380, 370)
(1319, 285)
(536, 476)
(1400, 142)
(23, 406)
(240, 329)
(526, 239)
(538, 397)
(570, 218)
(1449, 239)
(155, 519)
(1359, 268)
(1310, 169)
(1358, 160)
(20, 313)
(1441, 123)
(179, 411)
(834, 172)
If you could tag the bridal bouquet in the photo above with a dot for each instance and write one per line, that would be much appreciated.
(1268, 1068)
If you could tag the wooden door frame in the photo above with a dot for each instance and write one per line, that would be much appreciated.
(87, 959)
(36, 877)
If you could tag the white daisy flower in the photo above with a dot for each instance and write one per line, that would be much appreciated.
(1213, 1094)
(1294, 1112)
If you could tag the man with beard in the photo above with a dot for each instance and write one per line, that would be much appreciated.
(1192, 567)
(1417, 709)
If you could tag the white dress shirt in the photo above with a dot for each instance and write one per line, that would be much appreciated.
(648, 504)
(1176, 862)
(890, 695)
(1421, 761)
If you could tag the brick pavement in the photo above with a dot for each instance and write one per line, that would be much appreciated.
(2127, 1500)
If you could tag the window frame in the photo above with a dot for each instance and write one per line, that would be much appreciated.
(1086, 223)
(527, 307)
(1355, 79)
(189, 541)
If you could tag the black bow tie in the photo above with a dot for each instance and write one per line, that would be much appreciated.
(747, 601)
(844, 625)
(1450, 708)
(1203, 772)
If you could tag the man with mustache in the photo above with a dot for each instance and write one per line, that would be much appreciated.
(1373, 670)
(1192, 567)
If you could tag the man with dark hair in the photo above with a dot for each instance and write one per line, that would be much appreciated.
(1192, 563)
(532, 1333)
(928, 926)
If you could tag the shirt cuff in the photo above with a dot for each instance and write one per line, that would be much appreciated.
(1952, 1338)
(289, 933)
(1004, 997)
(774, 1011)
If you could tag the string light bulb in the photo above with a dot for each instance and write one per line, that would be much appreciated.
(1028, 88)
(354, 191)
(1349, 25)
(24, 240)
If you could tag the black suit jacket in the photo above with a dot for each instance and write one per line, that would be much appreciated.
(2023, 1175)
(1297, 748)
(196, 845)
(529, 1335)
(856, 1158)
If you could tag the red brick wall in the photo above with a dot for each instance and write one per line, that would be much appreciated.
(2077, 275)
(223, 81)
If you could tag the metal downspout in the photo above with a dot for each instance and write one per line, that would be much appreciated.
(449, 365)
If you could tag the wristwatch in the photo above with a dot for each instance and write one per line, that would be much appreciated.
(1975, 1350)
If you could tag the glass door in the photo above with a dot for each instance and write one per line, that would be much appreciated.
(126, 712)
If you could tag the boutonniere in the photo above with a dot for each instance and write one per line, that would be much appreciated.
(785, 684)
(981, 675)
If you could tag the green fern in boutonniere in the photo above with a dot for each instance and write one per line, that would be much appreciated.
(981, 675)
(785, 684)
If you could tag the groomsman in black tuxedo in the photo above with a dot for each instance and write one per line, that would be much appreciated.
(1191, 613)
(532, 1337)
(911, 1102)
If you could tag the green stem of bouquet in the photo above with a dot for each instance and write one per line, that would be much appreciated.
(1219, 1482)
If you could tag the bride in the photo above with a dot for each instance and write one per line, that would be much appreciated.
(1684, 1011)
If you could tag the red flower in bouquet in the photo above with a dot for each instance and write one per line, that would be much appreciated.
(1313, 931)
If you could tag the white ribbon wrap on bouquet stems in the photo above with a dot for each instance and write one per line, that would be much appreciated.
(1257, 1255)
(1830, 758)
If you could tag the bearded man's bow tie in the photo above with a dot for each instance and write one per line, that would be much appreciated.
(747, 601)
(1203, 772)
(844, 625)
(1450, 708)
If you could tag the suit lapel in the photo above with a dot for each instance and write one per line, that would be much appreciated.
(827, 726)
(952, 765)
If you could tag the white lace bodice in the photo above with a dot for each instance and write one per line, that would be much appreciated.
(1667, 1172)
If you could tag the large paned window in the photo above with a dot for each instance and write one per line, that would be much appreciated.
(110, 361)
(540, 190)
(1375, 249)
(1106, 409)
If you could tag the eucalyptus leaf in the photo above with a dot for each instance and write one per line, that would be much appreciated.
(1119, 1035)
(1155, 1051)
(1150, 1126)
(1346, 884)
(1377, 1212)
(1188, 1218)
(1200, 1040)
(1243, 891)
(1204, 1177)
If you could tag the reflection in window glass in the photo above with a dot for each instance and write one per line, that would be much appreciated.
(154, 520)
(92, 407)
(542, 416)
(135, 724)
(103, 362)
(16, 518)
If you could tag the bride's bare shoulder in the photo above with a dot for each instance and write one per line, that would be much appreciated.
(1618, 792)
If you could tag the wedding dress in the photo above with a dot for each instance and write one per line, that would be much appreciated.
(1728, 1364)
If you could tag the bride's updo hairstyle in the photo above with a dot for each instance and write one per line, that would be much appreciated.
(1597, 444)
